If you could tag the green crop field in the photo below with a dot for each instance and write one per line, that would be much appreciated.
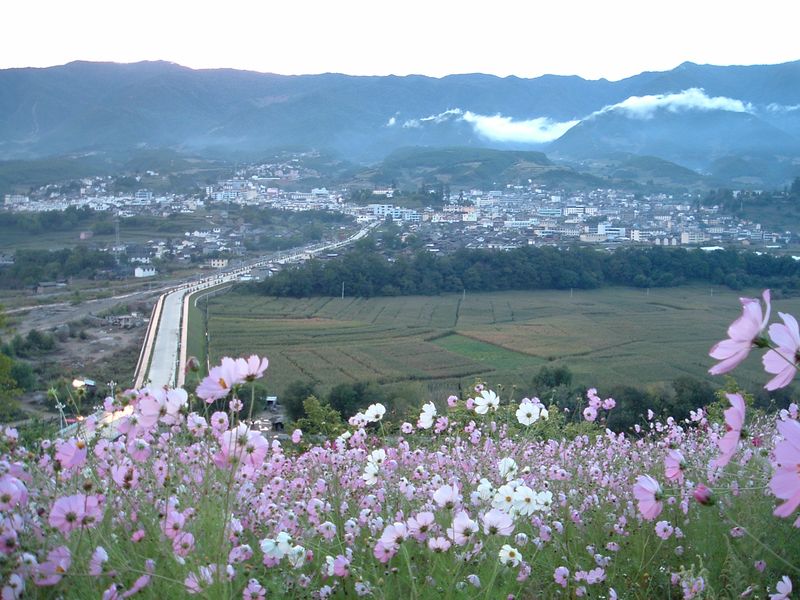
(608, 336)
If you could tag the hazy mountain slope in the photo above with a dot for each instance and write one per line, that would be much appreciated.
(698, 113)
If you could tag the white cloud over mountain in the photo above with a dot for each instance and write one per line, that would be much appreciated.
(645, 107)
(505, 129)
(540, 130)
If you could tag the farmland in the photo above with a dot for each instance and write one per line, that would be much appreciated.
(608, 336)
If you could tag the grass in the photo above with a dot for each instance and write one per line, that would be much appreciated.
(12, 239)
(604, 336)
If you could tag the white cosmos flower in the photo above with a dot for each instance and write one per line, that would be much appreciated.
(525, 500)
(545, 500)
(485, 490)
(504, 499)
(488, 399)
(297, 557)
(426, 416)
(377, 457)
(509, 555)
(370, 475)
(507, 468)
(528, 413)
(277, 547)
(375, 412)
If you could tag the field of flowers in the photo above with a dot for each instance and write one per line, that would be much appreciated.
(481, 497)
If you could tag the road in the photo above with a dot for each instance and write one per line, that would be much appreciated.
(168, 344)
(164, 349)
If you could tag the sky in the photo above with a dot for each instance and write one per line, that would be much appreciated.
(594, 39)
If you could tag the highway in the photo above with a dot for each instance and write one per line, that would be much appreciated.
(165, 345)
(163, 355)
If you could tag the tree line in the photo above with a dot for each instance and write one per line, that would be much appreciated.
(32, 266)
(366, 272)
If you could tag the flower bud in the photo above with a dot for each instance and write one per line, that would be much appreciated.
(703, 495)
(192, 365)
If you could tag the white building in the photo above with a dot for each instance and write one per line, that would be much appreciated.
(140, 272)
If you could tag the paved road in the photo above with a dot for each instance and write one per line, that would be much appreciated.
(165, 344)
(165, 349)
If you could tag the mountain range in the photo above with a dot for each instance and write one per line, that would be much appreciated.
(740, 121)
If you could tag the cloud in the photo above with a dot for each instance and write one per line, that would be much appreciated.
(498, 127)
(435, 119)
(541, 130)
(391, 122)
(645, 107)
(780, 108)
(443, 116)
(505, 129)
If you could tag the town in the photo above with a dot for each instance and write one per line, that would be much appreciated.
(514, 216)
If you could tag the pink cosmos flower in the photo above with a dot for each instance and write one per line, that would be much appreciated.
(742, 333)
(341, 566)
(183, 543)
(99, 558)
(597, 575)
(420, 525)
(462, 529)
(664, 530)
(393, 535)
(785, 482)
(447, 496)
(220, 380)
(12, 492)
(439, 544)
(52, 570)
(648, 492)
(561, 576)
(297, 435)
(67, 513)
(219, 421)
(782, 362)
(254, 591)
(173, 524)
(783, 589)
(452, 401)
(734, 418)
(674, 464)
(590, 413)
(383, 553)
(496, 522)
(71, 454)
(252, 368)
(143, 581)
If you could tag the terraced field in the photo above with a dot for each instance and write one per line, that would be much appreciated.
(605, 336)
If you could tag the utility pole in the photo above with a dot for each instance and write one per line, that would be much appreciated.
(116, 238)
(343, 290)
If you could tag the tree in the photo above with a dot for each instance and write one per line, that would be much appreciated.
(321, 418)
(551, 377)
(9, 390)
(795, 189)
(293, 397)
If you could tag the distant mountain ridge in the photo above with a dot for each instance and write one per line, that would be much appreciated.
(698, 116)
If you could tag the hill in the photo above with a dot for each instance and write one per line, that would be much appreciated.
(692, 115)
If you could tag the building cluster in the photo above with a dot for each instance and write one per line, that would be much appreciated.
(500, 219)
(518, 216)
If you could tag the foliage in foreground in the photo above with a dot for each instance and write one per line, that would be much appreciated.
(480, 498)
